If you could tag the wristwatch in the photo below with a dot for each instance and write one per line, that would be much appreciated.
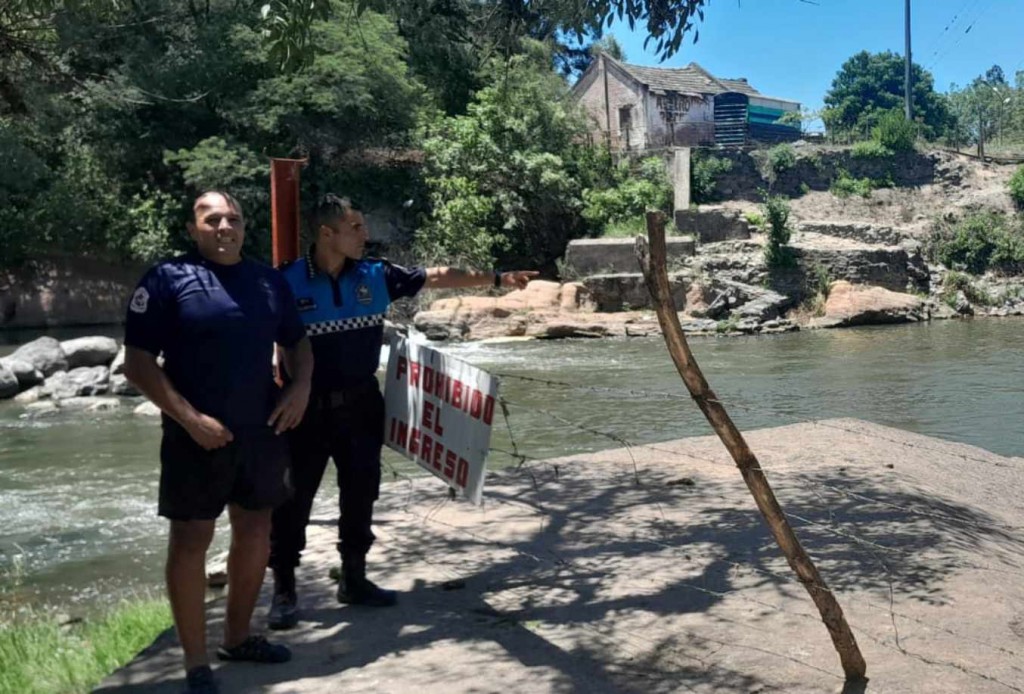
(497, 279)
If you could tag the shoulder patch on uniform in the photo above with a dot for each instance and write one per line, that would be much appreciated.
(140, 300)
(305, 303)
(363, 294)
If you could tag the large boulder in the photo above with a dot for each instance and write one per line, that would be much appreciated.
(26, 397)
(90, 403)
(117, 366)
(86, 380)
(147, 409)
(628, 291)
(89, 351)
(8, 383)
(45, 354)
(26, 374)
(850, 304)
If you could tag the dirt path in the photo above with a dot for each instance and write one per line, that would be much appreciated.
(650, 571)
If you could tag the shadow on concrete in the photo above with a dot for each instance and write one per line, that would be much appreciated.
(591, 539)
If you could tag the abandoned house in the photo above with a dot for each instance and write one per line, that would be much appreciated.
(637, 108)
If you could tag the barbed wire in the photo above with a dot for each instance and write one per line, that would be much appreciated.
(750, 408)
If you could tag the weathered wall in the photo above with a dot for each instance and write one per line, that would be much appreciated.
(697, 127)
(817, 170)
(622, 91)
(64, 291)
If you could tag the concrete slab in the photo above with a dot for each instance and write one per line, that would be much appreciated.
(617, 255)
(649, 570)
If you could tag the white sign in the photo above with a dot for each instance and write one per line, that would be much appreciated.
(438, 413)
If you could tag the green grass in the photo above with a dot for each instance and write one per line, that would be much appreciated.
(38, 654)
(626, 228)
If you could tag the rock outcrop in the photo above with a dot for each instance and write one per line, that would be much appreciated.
(849, 304)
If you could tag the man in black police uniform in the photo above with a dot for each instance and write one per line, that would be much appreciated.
(215, 317)
(342, 299)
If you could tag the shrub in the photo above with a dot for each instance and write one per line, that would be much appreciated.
(979, 242)
(781, 158)
(1017, 188)
(616, 208)
(894, 132)
(955, 281)
(776, 214)
(772, 162)
(704, 172)
(626, 228)
(846, 185)
(754, 219)
(870, 149)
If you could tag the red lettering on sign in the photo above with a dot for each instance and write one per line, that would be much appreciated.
(438, 454)
(414, 374)
(414, 442)
(457, 395)
(427, 420)
(427, 448)
(403, 434)
(428, 379)
(475, 409)
(400, 369)
(449, 464)
(462, 477)
(489, 410)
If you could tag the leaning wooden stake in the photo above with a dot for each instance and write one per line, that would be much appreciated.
(652, 263)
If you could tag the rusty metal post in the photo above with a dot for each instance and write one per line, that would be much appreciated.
(284, 209)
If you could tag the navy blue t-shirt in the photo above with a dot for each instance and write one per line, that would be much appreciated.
(216, 326)
(344, 317)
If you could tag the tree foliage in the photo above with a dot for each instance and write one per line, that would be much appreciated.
(868, 85)
(506, 180)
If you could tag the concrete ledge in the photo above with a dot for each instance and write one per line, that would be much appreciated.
(608, 256)
(712, 224)
(651, 570)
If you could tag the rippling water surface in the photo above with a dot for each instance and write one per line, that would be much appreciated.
(78, 492)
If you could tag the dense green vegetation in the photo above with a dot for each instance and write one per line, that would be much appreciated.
(112, 115)
(980, 242)
(1017, 188)
(869, 85)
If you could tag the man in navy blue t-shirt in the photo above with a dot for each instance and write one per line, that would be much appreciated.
(215, 316)
(342, 299)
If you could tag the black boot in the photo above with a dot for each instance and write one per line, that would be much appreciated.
(355, 588)
(284, 607)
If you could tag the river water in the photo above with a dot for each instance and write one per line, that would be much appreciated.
(77, 492)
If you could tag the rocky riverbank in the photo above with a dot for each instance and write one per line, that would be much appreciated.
(84, 374)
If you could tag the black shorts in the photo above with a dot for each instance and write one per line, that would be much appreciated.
(252, 471)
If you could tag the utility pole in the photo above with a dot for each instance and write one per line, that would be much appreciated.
(907, 98)
(607, 105)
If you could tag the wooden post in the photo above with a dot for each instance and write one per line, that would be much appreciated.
(284, 209)
(652, 260)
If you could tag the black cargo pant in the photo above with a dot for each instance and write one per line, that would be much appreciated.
(348, 427)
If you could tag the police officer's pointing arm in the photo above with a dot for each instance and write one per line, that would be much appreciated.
(454, 278)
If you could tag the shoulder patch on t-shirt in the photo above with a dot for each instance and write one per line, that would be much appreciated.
(140, 300)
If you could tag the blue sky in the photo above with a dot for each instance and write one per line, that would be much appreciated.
(792, 49)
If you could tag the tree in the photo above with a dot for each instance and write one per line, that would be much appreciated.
(503, 22)
(870, 84)
(505, 181)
